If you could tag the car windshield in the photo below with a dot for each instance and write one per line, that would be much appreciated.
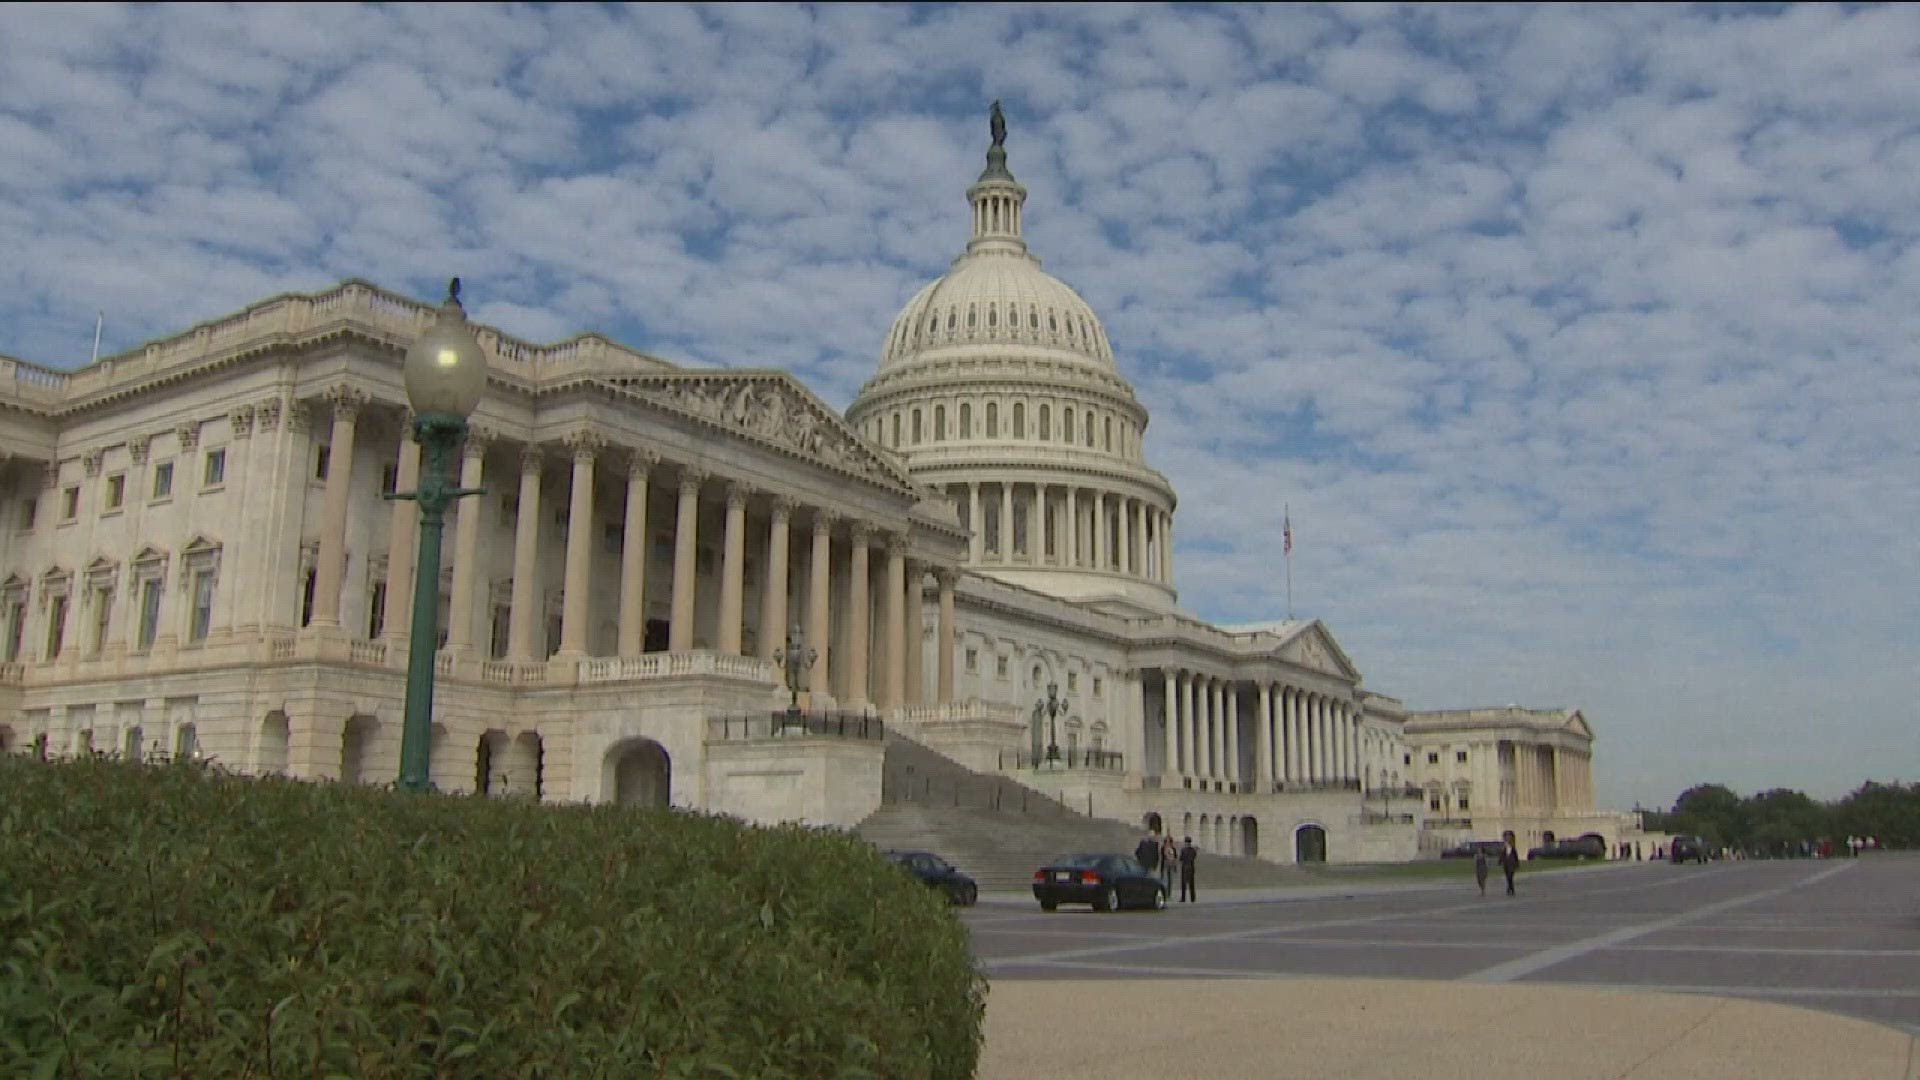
(1091, 862)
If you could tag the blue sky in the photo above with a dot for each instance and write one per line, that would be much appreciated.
(1583, 342)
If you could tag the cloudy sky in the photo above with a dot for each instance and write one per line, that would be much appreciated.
(1584, 343)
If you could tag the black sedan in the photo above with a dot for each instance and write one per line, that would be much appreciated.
(938, 873)
(1107, 882)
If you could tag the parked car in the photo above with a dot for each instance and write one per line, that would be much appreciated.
(1687, 849)
(1493, 848)
(1107, 881)
(938, 873)
(1580, 847)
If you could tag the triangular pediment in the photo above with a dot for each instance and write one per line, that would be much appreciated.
(1311, 646)
(1577, 725)
(770, 407)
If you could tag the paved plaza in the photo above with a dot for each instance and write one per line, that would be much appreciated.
(1644, 969)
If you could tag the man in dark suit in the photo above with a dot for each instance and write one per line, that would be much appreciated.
(1509, 859)
(1188, 854)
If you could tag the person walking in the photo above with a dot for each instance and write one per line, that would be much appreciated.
(1480, 869)
(1188, 855)
(1169, 860)
(1147, 853)
(1509, 861)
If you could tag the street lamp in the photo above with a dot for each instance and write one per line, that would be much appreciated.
(1051, 709)
(795, 658)
(445, 374)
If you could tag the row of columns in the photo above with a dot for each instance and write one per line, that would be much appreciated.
(1536, 773)
(902, 596)
(1300, 736)
(1091, 529)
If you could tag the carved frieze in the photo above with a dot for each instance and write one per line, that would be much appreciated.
(189, 436)
(241, 417)
(137, 448)
(769, 410)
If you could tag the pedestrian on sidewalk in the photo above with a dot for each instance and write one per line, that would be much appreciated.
(1509, 860)
(1480, 868)
(1169, 859)
(1188, 855)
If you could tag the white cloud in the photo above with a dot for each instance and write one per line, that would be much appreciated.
(1579, 339)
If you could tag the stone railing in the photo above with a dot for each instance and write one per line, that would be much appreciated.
(513, 672)
(373, 653)
(12, 673)
(675, 665)
(1071, 758)
(970, 709)
(281, 646)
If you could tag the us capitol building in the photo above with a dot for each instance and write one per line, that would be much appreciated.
(196, 557)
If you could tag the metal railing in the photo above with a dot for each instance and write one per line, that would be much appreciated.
(1070, 758)
(770, 725)
(968, 792)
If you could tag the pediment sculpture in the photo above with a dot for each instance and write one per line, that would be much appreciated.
(769, 410)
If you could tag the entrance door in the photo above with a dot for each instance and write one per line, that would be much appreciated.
(1310, 844)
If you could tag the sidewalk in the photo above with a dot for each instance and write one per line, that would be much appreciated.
(1368, 1029)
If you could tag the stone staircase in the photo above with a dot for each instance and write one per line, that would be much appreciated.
(999, 831)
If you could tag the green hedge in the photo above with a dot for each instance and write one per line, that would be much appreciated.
(173, 921)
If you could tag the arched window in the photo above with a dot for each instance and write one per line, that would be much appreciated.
(916, 427)
(939, 423)
(1109, 427)
(1089, 427)
(953, 317)
(1066, 424)
(1052, 325)
(896, 429)
(993, 420)
(1033, 319)
(972, 317)
(1046, 424)
(1069, 326)
(993, 316)
(966, 420)
(1019, 420)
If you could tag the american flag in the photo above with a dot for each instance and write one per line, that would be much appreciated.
(1286, 533)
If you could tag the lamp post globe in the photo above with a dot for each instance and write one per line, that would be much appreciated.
(445, 373)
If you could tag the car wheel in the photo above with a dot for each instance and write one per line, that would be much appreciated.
(1159, 899)
(969, 895)
(1109, 900)
(1048, 905)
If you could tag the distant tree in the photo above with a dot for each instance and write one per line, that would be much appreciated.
(1713, 811)
(1890, 813)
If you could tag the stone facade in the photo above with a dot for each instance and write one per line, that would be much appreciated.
(197, 555)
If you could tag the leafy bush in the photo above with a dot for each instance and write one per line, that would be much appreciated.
(174, 921)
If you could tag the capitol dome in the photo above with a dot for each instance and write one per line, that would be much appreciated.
(998, 387)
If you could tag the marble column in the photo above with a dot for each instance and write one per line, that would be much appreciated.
(466, 543)
(1072, 529)
(526, 558)
(1037, 527)
(893, 691)
(403, 534)
(633, 555)
(916, 637)
(1142, 564)
(1217, 724)
(859, 614)
(1171, 761)
(1006, 522)
(686, 551)
(943, 642)
(331, 568)
(1100, 535)
(1263, 742)
(1166, 549)
(576, 591)
(976, 543)
(1230, 694)
(819, 606)
(773, 600)
(1123, 516)
(733, 570)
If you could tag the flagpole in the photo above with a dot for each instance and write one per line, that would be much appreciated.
(99, 320)
(1286, 553)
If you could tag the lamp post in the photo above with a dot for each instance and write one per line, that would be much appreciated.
(795, 657)
(1051, 709)
(445, 374)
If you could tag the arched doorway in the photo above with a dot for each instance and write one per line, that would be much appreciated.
(271, 755)
(356, 748)
(1310, 844)
(1249, 838)
(491, 760)
(1205, 833)
(638, 772)
(186, 742)
(1153, 822)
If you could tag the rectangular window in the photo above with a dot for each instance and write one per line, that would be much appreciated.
(1096, 686)
(1073, 681)
(1000, 666)
(116, 490)
(216, 470)
(1460, 801)
(28, 511)
(102, 618)
(1460, 756)
(497, 639)
(163, 480)
(377, 611)
(1433, 803)
(202, 606)
(306, 597)
(389, 479)
(322, 454)
(149, 613)
(70, 504)
(973, 659)
(56, 626)
(1433, 757)
(16, 628)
